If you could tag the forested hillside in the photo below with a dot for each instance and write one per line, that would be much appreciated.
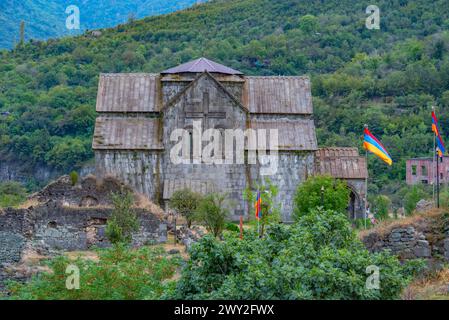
(387, 78)
(46, 18)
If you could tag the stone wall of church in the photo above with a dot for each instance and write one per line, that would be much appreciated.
(293, 168)
(208, 103)
(138, 169)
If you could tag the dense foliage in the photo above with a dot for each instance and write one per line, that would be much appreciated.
(119, 274)
(386, 78)
(319, 257)
(321, 191)
(47, 18)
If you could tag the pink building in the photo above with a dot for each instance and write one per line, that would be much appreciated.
(422, 170)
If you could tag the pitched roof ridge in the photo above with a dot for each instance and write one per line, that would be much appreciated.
(202, 62)
(337, 148)
(197, 61)
(279, 77)
(208, 62)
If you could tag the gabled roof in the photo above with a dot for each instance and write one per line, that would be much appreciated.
(278, 95)
(132, 133)
(177, 96)
(128, 92)
(201, 65)
(343, 163)
(293, 135)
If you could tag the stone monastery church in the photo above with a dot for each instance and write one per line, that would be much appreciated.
(138, 112)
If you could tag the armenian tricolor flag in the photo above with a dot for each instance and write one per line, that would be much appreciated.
(436, 129)
(257, 206)
(373, 145)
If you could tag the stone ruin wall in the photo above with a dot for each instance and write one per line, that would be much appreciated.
(427, 237)
(52, 227)
(66, 217)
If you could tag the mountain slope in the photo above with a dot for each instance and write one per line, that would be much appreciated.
(46, 18)
(387, 78)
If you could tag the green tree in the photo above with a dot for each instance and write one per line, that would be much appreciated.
(380, 206)
(308, 23)
(123, 221)
(212, 212)
(185, 202)
(321, 191)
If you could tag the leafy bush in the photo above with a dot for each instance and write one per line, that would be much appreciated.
(119, 273)
(318, 257)
(321, 191)
(74, 177)
(232, 227)
(123, 221)
(185, 202)
(212, 213)
(11, 194)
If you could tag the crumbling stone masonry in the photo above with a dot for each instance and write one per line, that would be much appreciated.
(427, 237)
(69, 218)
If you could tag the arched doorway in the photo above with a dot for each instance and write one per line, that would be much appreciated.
(353, 203)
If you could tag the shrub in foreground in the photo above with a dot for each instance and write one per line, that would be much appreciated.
(319, 257)
(119, 273)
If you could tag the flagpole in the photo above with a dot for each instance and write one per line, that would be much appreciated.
(438, 182)
(434, 164)
(366, 184)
